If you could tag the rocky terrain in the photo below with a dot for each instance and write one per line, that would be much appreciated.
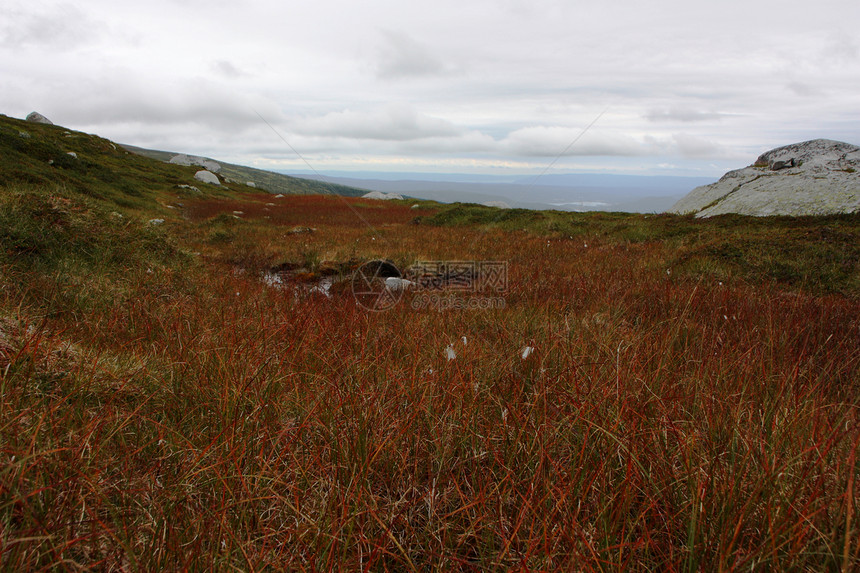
(818, 177)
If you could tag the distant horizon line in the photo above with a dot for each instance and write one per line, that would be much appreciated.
(354, 173)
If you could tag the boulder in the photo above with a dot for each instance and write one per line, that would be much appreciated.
(207, 177)
(397, 283)
(210, 165)
(299, 230)
(379, 195)
(183, 159)
(782, 164)
(37, 117)
(186, 160)
(818, 177)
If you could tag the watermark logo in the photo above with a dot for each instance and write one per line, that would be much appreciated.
(372, 288)
(439, 285)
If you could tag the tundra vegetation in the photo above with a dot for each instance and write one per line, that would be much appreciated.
(689, 400)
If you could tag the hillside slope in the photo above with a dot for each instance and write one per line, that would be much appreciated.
(262, 179)
(37, 153)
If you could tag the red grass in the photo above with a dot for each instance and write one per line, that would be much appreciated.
(312, 210)
(205, 421)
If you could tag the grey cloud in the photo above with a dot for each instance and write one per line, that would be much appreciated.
(694, 147)
(120, 98)
(669, 70)
(60, 25)
(804, 89)
(227, 69)
(680, 114)
(546, 141)
(466, 142)
(842, 48)
(394, 123)
(402, 57)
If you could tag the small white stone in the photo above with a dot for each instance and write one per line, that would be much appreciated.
(396, 283)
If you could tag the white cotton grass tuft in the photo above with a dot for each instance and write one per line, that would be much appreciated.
(449, 352)
(465, 342)
(526, 352)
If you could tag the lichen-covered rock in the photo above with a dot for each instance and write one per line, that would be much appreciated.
(818, 177)
(210, 165)
(207, 177)
(37, 117)
(186, 160)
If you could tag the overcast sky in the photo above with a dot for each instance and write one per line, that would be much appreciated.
(493, 86)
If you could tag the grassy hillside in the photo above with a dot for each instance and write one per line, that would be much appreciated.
(817, 253)
(647, 393)
(272, 182)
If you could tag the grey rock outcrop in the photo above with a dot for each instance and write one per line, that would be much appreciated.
(382, 196)
(818, 177)
(183, 159)
(37, 117)
(208, 164)
(207, 177)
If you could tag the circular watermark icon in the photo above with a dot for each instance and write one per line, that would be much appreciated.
(371, 285)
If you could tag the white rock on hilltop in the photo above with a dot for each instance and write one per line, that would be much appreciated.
(818, 177)
(37, 117)
(208, 164)
(207, 177)
(183, 159)
(382, 196)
